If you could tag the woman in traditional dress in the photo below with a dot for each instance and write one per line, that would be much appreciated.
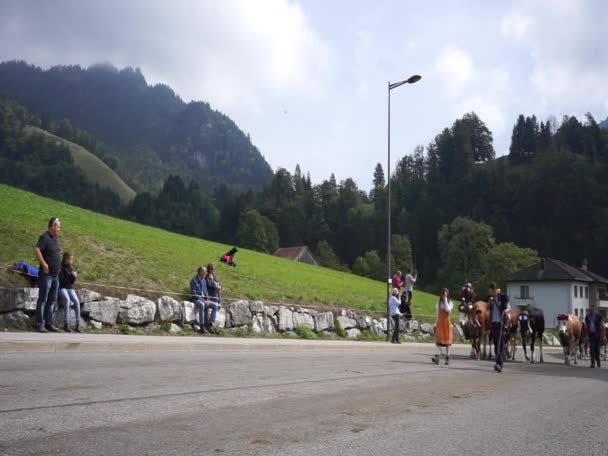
(443, 327)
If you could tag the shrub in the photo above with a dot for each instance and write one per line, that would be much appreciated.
(305, 332)
(340, 331)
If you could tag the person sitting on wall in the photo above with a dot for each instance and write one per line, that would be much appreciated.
(200, 296)
(215, 297)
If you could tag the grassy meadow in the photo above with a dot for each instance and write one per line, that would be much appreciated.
(115, 252)
(95, 170)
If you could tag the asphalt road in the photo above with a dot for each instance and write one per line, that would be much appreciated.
(297, 402)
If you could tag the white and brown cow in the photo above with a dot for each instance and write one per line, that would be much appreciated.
(570, 329)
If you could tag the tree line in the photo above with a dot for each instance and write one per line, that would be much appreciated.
(458, 212)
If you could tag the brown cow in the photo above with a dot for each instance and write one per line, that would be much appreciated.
(480, 316)
(510, 333)
(570, 328)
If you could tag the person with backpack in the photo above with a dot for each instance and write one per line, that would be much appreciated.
(67, 277)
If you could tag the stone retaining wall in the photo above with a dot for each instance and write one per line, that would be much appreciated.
(17, 308)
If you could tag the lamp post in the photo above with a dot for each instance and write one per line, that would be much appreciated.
(411, 80)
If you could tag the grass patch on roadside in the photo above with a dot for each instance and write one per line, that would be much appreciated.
(109, 251)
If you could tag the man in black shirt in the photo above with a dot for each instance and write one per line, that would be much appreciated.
(48, 253)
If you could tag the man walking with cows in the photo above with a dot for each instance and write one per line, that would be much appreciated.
(498, 305)
(593, 320)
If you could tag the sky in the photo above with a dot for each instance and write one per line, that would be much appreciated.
(308, 79)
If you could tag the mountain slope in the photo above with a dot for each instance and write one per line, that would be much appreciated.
(148, 127)
(117, 252)
(95, 170)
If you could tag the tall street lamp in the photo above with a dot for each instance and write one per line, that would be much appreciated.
(411, 80)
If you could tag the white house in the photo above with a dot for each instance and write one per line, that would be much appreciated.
(558, 288)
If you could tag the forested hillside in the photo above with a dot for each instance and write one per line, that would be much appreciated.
(149, 128)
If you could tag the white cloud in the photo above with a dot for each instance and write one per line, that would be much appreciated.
(455, 67)
(516, 25)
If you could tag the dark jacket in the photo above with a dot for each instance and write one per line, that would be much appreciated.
(594, 324)
(66, 277)
(198, 287)
(213, 287)
(502, 301)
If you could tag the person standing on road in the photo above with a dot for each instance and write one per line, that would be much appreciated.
(67, 277)
(595, 327)
(408, 293)
(443, 327)
(498, 304)
(49, 255)
(393, 304)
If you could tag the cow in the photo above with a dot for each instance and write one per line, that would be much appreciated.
(511, 323)
(470, 327)
(532, 324)
(481, 318)
(570, 328)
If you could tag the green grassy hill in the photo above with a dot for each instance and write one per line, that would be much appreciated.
(95, 170)
(121, 253)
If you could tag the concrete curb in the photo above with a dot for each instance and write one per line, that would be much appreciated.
(30, 342)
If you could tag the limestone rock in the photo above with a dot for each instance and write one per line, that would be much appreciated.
(104, 311)
(256, 307)
(96, 324)
(353, 333)
(18, 299)
(347, 322)
(363, 321)
(324, 321)
(136, 310)
(220, 319)
(326, 334)
(270, 310)
(196, 328)
(239, 312)
(457, 331)
(59, 320)
(15, 320)
(169, 309)
(263, 325)
(427, 328)
(175, 329)
(190, 313)
(425, 337)
(376, 330)
(285, 317)
(412, 325)
(85, 295)
(383, 324)
(303, 319)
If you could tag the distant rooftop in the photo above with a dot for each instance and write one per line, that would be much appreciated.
(551, 270)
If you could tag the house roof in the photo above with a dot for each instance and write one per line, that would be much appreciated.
(291, 253)
(551, 270)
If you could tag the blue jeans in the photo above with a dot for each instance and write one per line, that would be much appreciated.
(203, 317)
(67, 295)
(47, 294)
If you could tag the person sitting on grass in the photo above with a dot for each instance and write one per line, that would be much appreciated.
(200, 296)
(67, 277)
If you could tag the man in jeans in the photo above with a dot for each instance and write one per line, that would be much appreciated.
(595, 326)
(498, 304)
(47, 252)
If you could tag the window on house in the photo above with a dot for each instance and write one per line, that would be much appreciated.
(576, 312)
(524, 291)
(575, 291)
(580, 289)
(586, 292)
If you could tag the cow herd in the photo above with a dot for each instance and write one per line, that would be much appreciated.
(476, 325)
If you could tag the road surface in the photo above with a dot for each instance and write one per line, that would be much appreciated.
(297, 402)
